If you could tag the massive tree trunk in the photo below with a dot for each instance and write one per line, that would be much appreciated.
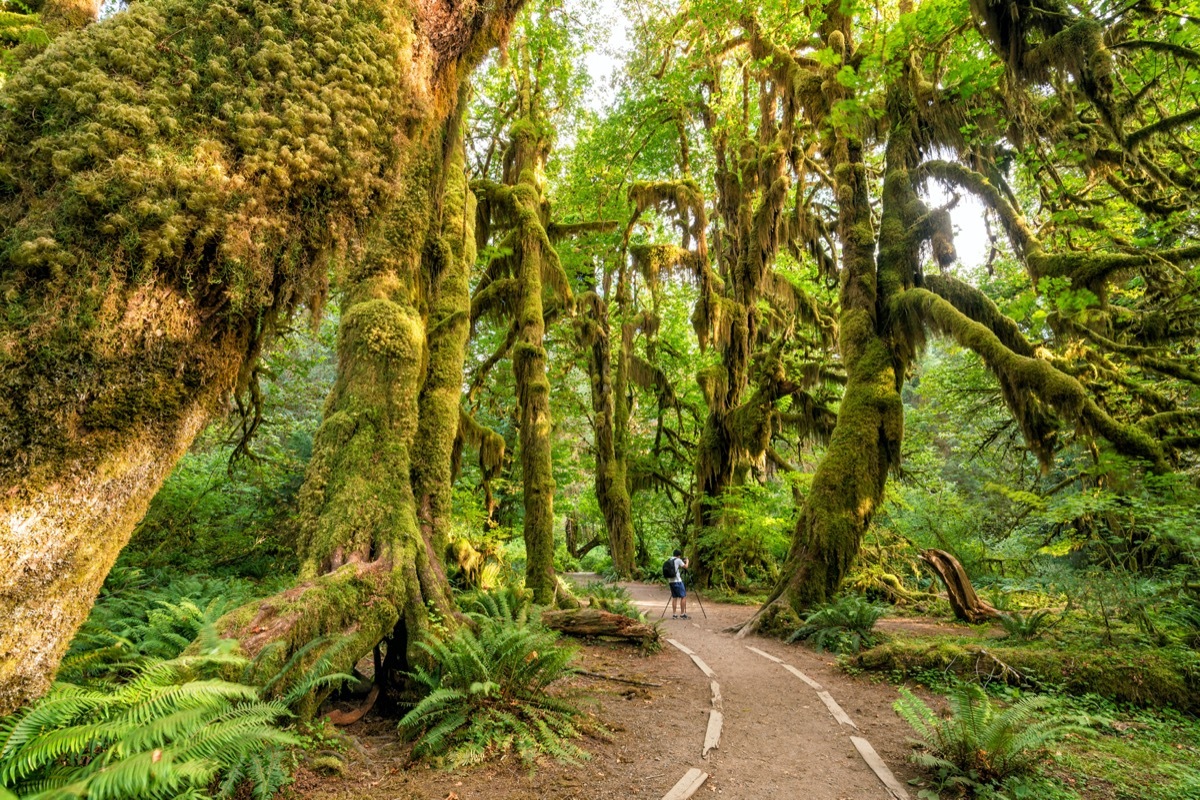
(848, 485)
(151, 246)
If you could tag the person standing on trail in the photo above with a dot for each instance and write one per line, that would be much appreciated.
(678, 592)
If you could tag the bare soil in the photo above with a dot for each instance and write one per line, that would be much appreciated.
(778, 739)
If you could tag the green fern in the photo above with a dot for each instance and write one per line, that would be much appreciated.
(844, 626)
(1027, 625)
(508, 604)
(980, 744)
(140, 618)
(171, 730)
(613, 598)
(132, 716)
(486, 695)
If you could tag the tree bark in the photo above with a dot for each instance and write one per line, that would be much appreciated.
(58, 543)
(963, 600)
(109, 371)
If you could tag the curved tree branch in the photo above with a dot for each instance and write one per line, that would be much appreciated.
(1058, 390)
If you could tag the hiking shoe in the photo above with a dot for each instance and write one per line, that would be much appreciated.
(684, 616)
(674, 616)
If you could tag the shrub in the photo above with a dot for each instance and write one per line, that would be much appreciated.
(487, 696)
(843, 626)
(143, 617)
(980, 745)
(613, 598)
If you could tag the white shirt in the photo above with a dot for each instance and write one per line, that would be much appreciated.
(678, 570)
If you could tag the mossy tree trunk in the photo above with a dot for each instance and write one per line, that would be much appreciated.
(610, 421)
(848, 484)
(109, 372)
(529, 364)
(449, 262)
(516, 285)
(375, 502)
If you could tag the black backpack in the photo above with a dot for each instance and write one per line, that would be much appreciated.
(669, 569)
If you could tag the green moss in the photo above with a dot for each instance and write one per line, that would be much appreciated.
(1151, 677)
(171, 195)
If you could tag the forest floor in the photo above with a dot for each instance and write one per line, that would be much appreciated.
(778, 737)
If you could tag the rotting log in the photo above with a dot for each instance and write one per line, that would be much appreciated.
(596, 622)
(963, 599)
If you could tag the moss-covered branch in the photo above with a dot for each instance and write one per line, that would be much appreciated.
(1019, 233)
(980, 308)
(1057, 390)
(558, 231)
(1164, 125)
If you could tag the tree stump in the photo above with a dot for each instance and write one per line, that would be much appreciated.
(963, 599)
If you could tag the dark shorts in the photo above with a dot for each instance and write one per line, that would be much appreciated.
(677, 590)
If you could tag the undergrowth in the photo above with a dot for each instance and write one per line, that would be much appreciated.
(844, 626)
(173, 729)
(486, 696)
(980, 745)
(610, 597)
(150, 703)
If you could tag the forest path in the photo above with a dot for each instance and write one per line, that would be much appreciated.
(778, 737)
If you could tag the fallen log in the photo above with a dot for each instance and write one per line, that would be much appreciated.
(964, 601)
(596, 622)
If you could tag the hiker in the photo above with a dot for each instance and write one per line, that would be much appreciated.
(673, 569)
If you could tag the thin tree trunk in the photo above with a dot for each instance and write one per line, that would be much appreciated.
(612, 488)
(449, 328)
(533, 389)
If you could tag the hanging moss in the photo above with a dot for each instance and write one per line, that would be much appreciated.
(1038, 377)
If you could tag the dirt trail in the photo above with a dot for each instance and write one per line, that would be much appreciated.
(778, 738)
